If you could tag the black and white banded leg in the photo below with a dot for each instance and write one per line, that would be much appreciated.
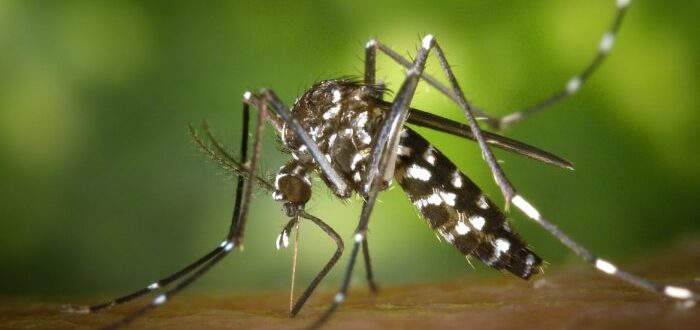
(233, 238)
(572, 86)
(520, 202)
(671, 291)
(383, 160)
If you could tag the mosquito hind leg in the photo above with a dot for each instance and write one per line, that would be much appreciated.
(671, 291)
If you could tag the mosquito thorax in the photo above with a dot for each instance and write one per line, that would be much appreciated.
(341, 116)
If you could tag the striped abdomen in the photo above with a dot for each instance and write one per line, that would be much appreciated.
(458, 210)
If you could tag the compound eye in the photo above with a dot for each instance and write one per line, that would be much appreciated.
(294, 189)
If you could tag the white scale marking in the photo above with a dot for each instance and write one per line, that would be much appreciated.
(477, 221)
(529, 261)
(605, 266)
(429, 155)
(448, 197)
(526, 207)
(434, 199)
(356, 159)
(502, 245)
(620, 4)
(677, 292)
(482, 203)
(418, 173)
(316, 131)
(336, 96)
(427, 41)
(404, 150)
(461, 228)
(457, 179)
(364, 136)
(361, 119)
(573, 85)
(160, 300)
(359, 237)
(332, 112)
(607, 42)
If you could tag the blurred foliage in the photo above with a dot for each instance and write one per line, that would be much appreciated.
(102, 190)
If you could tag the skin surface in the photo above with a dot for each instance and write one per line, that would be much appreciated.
(572, 298)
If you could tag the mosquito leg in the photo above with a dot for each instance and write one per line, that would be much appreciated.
(235, 220)
(675, 292)
(570, 88)
(164, 282)
(531, 212)
(150, 288)
(234, 238)
(374, 45)
(370, 62)
(370, 79)
(575, 83)
(162, 298)
(499, 176)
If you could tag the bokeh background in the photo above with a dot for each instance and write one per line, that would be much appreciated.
(101, 190)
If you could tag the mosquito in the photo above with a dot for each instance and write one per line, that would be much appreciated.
(358, 143)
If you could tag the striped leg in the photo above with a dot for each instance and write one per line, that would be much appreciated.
(570, 88)
(606, 267)
(202, 265)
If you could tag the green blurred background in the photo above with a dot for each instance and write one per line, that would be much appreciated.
(102, 191)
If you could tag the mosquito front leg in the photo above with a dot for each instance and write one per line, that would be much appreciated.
(202, 265)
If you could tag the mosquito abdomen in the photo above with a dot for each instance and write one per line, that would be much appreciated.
(458, 210)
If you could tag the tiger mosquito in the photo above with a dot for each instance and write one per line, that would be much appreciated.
(344, 131)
